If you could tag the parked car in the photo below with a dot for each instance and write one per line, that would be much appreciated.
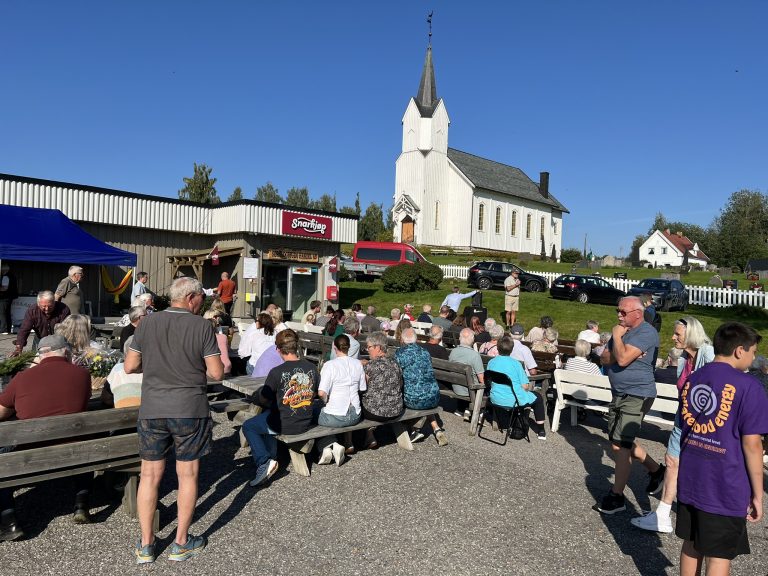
(666, 294)
(585, 289)
(370, 259)
(485, 275)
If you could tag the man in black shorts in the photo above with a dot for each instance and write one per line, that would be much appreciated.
(177, 352)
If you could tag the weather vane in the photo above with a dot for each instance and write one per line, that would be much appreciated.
(429, 21)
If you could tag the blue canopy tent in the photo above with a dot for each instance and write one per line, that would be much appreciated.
(46, 235)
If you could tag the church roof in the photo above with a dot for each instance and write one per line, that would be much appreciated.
(501, 178)
(426, 98)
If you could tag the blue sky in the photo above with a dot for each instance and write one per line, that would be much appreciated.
(633, 107)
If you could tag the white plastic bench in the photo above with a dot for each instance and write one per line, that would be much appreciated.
(582, 390)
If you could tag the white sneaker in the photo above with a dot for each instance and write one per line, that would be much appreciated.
(327, 456)
(338, 453)
(467, 416)
(652, 523)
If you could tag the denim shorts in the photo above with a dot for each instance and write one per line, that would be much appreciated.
(191, 438)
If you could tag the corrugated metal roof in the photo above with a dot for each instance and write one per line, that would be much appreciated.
(501, 178)
(103, 205)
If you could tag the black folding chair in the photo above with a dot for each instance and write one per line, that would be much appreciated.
(517, 412)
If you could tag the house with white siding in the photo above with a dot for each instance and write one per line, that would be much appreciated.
(664, 248)
(452, 199)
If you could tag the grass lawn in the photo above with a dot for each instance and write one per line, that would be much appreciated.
(570, 317)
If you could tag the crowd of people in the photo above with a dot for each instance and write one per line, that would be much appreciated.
(170, 356)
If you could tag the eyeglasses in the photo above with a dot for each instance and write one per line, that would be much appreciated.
(621, 312)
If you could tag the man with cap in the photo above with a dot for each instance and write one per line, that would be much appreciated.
(522, 352)
(53, 388)
(512, 295)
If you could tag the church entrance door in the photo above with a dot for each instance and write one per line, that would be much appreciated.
(407, 230)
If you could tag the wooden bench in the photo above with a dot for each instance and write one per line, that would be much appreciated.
(449, 373)
(582, 390)
(438, 252)
(73, 444)
(299, 445)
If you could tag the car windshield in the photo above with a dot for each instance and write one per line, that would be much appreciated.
(654, 284)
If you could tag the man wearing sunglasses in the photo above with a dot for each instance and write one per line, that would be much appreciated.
(629, 359)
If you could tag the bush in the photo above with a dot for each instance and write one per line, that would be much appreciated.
(400, 278)
(570, 255)
(429, 277)
(343, 275)
(412, 277)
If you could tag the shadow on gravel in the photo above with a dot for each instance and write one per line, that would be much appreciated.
(643, 547)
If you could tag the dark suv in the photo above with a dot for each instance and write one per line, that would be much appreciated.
(485, 275)
(666, 294)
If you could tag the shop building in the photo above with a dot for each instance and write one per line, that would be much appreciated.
(275, 253)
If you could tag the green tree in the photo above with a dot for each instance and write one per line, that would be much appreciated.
(349, 210)
(634, 251)
(326, 202)
(268, 193)
(237, 194)
(742, 228)
(298, 197)
(570, 255)
(357, 204)
(371, 225)
(201, 187)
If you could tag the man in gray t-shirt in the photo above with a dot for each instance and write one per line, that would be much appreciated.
(177, 352)
(629, 359)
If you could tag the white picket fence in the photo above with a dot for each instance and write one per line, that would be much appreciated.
(699, 295)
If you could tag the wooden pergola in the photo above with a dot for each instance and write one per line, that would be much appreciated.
(196, 260)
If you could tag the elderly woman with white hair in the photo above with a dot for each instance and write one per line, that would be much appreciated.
(420, 389)
(490, 348)
(689, 335)
(580, 363)
(548, 342)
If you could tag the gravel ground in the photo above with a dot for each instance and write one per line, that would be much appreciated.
(472, 507)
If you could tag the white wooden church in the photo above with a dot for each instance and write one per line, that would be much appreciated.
(448, 198)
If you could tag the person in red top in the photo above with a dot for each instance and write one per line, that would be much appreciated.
(52, 388)
(227, 290)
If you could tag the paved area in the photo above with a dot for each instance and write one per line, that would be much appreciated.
(472, 507)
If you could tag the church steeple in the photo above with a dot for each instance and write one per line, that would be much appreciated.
(426, 98)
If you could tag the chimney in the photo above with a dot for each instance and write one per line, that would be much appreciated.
(679, 234)
(667, 232)
(544, 184)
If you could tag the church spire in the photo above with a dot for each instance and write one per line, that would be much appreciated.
(426, 98)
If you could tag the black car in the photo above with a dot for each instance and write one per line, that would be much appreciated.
(585, 289)
(666, 294)
(485, 275)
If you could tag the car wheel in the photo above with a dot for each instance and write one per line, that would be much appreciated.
(533, 286)
(484, 283)
(582, 297)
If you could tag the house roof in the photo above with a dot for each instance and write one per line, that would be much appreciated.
(426, 97)
(757, 264)
(498, 177)
(683, 244)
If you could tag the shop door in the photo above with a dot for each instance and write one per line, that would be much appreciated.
(275, 285)
(303, 290)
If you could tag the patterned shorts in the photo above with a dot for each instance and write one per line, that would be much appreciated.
(191, 438)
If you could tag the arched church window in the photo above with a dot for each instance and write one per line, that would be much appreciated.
(554, 227)
(498, 220)
(528, 224)
(481, 217)
(542, 226)
(437, 213)
(513, 226)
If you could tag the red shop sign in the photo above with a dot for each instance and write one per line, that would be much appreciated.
(308, 225)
